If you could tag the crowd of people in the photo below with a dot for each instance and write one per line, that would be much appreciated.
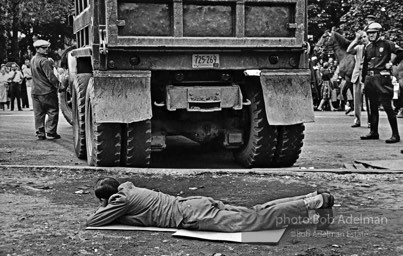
(15, 86)
(331, 93)
(375, 78)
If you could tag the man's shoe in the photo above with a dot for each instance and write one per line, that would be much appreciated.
(328, 201)
(370, 136)
(325, 218)
(53, 136)
(41, 137)
(393, 139)
(356, 125)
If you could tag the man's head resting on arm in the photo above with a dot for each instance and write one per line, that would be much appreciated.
(104, 188)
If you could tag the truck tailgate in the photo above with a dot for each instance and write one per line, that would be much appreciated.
(206, 23)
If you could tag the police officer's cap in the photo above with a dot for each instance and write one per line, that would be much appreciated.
(374, 27)
(41, 43)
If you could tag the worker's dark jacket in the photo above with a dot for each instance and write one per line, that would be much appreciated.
(44, 79)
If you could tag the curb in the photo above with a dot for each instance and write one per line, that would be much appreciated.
(181, 172)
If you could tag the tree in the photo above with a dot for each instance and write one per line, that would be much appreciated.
(3, 38)
(325, 14)
(389, 13)
(22, 19)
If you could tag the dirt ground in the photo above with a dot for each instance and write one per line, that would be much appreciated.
(43, 212)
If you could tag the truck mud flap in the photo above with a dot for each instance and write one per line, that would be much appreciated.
(122, 96)
(287, 97)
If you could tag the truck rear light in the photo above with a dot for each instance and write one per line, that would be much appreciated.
(273, 59)
(111, 64)
(134, 60)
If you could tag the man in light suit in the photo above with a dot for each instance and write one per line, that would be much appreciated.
(356, 48)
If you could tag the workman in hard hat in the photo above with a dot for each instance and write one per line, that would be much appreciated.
(377, 79)
(44, 93)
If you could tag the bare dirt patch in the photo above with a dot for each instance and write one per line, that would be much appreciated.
(43, 212)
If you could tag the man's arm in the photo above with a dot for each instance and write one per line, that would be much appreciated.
(351, 49)
(398, 51)
(21, 76)
(47, 68)
(116, 208)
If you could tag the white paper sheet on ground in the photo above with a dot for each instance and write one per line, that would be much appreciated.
(266, 236)
(132, 228)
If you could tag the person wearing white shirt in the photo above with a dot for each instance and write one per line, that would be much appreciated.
(15, 80)
(26, 71)
(356, 48)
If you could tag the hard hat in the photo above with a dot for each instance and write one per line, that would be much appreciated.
(40, 43)
(374, 27)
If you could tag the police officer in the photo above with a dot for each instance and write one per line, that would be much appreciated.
(44, 92)
(377, 82)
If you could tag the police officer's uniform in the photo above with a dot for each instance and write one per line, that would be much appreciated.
(378, 83)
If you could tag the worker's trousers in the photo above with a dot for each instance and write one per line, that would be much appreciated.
(204, 213)
(47, 104)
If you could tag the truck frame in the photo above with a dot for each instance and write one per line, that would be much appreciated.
(232, 73)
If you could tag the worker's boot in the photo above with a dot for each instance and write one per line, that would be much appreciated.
(323, 204)
(40, 134)
(395, 132)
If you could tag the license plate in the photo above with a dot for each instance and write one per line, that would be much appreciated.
(205, 60)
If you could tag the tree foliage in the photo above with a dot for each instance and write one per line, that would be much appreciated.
(325, 14)
(389, 13)
(22, 19)
(349, 16)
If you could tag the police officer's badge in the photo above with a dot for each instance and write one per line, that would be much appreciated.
(381, 49)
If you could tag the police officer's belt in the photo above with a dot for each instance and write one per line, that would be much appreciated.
(378, 72)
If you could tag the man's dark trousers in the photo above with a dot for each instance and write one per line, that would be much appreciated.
(379, 90)
(43, 105)
(15, 93)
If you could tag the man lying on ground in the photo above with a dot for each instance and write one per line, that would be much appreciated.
(130, 205)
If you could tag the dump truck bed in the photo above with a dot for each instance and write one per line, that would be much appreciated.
(206, 23)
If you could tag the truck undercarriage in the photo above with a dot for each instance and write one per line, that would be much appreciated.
(217, 73)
